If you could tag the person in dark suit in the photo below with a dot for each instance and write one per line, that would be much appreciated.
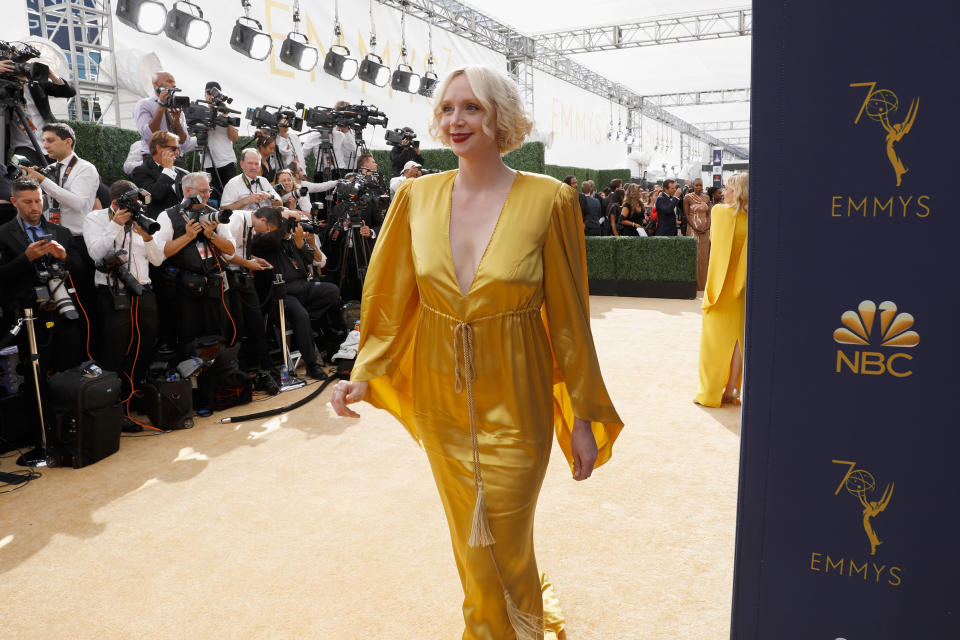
(666, 206)
(37, 109)
(29, 236)
(161, 172)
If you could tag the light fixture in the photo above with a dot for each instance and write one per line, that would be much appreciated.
(374, 71)
(339, 65)
(404, 79)
(429, 80)
(248, 36)
(187, 26)
(296, 50)
(146, 16)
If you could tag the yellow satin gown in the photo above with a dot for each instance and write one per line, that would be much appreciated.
(528, 301)
(724, 308)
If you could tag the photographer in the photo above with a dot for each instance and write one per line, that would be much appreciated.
(249, 190)
(289, 148)
(408, 149)
(221, 162)
(161, 172)
(36, 108)
(158, 114)
(411, 170)
(307, 303)
(266, 146)
(194, 244)
(49, 250)
(295, 193)
(127, 305)
(344, 147)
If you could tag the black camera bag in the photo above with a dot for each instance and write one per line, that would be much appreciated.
(85, 416)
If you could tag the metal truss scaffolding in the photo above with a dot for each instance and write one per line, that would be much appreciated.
(83, 30)
(724, 125)
(729, 23)
(524, 54)
(691, 98)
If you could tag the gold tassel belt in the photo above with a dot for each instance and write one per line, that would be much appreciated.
(527, 626)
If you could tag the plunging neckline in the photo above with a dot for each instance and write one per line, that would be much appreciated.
(493, 234)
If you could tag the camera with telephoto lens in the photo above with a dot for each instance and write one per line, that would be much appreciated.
(133, 202)
(270, 118)
(209, 214)
(291, 224)
(294, 191)
(395, 137)
(112, 264)
(20, 53)
(52, 292)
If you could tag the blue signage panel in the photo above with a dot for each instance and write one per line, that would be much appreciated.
(847, 525)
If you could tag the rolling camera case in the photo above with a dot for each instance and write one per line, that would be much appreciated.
(85, 415)
(169, 403)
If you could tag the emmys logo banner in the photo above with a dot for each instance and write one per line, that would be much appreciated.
(892, 331)
(883, 107)
(861, 485)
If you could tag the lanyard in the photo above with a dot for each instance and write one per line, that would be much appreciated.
(250, 183)
(62, 180)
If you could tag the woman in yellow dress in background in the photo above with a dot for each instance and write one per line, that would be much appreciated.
(721, 338)
(475, 334)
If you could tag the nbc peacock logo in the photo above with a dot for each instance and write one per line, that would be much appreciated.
(873, 325)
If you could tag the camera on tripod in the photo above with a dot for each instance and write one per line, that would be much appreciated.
(355, 197)
(133, 202)
(52, 292)
(327, 118)
(112, 264)
(19, 53)
(395, 137)
(264, 118)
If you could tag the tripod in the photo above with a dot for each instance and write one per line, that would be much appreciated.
(38, 457)
(12, 114)
(280, 291)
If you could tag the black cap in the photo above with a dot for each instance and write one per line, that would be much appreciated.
(212, 84)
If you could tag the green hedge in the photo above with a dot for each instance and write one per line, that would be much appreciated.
(106, 147)
(642, 259)
(601, 178)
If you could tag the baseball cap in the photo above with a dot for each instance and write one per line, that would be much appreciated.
(212, 84)
(410, 164)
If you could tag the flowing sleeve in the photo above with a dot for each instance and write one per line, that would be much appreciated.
(578, 389)
(389, 310)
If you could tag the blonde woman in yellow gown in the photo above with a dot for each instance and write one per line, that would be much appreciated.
(475, 334)
(721, 338)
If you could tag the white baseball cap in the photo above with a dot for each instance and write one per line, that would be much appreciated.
(410, 164)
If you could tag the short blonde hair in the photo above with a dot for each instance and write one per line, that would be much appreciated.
(499, 95)
(739, 185)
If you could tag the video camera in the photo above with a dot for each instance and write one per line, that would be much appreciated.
(356, 196)
(15, 168)
(395, 137)
(52, 292)
(133, 202)
(264, 118)
(173, 101)
(204, 115)
(20, 53)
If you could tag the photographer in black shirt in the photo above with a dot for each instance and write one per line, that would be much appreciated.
(407, 149)
(308, 304)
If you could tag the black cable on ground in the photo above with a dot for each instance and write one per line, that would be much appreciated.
(290, 407)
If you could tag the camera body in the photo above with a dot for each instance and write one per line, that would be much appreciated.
(270, 118)
(395, 137)
(356, 196)
(295, 192)
(133, 202)
(20, 54)
(209, 214)
(51, 291)
(112, 264)
(202, 116)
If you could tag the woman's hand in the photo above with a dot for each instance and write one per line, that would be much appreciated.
(583, 446)
(345, 393)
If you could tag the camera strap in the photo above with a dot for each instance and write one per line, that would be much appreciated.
(54, 210)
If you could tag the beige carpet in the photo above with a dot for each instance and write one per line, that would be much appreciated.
(310, 526)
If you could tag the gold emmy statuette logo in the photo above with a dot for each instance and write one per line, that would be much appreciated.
(892, 330)
(860, 483)
(878, 106)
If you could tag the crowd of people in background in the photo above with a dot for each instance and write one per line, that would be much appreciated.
(664, 209)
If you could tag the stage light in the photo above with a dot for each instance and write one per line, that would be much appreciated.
(405, 79)
(339, 65)
(298, 53)
(427, 84)
(146, 16)
(373, 71)
(252, 42)
(187, 25)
